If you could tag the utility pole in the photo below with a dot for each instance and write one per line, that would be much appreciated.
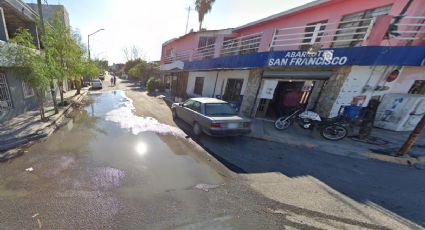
(88, 40)
(187, 21)
(43, 35)
(412, 138)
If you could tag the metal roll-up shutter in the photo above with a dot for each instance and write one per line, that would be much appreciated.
(301, 75)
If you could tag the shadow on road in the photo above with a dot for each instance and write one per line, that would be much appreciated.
(398, 189)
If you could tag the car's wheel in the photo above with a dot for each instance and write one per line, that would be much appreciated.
(196, 129)
(174, 113)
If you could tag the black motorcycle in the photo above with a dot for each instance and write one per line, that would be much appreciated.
(331, 129)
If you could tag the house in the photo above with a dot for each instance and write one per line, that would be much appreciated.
(15, 96)
(334, 52)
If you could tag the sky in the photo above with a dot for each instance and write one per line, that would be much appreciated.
(148, 23)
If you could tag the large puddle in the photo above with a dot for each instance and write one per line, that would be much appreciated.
(107, 147)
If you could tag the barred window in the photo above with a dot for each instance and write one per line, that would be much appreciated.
(5, 99)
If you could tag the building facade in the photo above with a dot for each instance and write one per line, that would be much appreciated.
(15, 96)
(333, 53)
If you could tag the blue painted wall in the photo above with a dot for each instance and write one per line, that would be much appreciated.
(361, 56)
(20, 103)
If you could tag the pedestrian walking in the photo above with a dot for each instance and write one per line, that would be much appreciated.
(115, 80)
(112, 80)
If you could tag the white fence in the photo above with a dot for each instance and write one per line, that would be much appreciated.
(408, 28)
(345, 32)
(242, 45)
(204, 52)
(179, 56)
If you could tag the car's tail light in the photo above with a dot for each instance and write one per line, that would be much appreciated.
(247, 124)
(215, 125)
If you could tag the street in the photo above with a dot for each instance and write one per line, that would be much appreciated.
(122, 162)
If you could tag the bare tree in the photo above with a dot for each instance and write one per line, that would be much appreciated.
(132, 53)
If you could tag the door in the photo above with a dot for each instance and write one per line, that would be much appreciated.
(194, 112)
(233, 90)
(184, 111)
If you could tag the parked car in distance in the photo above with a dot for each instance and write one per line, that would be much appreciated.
(96, 84)
(211, 116)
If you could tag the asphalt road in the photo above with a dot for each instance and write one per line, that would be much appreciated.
(123, 163)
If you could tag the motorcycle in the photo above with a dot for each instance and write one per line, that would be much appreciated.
(331, 129)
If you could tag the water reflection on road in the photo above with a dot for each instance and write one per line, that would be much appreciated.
(105, 161)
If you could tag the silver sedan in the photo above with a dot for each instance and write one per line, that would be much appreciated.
(211, 116)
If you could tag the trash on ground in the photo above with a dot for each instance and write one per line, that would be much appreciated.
(35, 215)
(30, 169)
(207, 187)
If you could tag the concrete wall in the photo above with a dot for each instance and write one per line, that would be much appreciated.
(363, 80)
(210, 79)
(20, 103)
(332, 11)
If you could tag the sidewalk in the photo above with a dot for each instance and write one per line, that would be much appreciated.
(28, 127)
(297, 136)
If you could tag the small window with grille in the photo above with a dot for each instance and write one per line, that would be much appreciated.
(5, 99)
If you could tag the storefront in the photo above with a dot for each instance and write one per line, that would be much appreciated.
(283, 91)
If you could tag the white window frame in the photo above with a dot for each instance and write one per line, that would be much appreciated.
(27, 90)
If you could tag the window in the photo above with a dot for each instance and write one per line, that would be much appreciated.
(352, 28)
(196, 106)
(219, 109)
(205, 41)
(206, 47)
(5, 99)
(169, 52)
(418, 87)
(309, 29)
(188, 103)
(199, 85)
(28, 91)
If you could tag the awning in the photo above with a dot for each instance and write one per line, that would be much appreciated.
(294, 75)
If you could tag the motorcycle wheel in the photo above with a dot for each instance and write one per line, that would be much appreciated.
(334, 132)
(283, 123)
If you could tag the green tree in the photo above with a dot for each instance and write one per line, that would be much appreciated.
(29, 63)
(101, 64)
(61, 49)
(203, 7)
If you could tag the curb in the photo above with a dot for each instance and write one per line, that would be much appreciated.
(13, 149)
(367, 155)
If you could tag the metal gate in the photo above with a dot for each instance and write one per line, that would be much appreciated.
(5, 99)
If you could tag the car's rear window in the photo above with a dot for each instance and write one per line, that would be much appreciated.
(219, 109)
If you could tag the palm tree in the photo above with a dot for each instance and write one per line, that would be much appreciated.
(203, 7)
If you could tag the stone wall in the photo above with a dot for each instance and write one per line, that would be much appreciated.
(249, 102)
(330, 91)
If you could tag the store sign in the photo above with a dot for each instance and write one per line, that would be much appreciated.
(361, 56)
(302, 58)
(268, 88)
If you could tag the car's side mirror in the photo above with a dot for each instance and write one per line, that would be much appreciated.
(181, 104)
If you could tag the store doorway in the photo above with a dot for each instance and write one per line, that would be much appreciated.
(233, 90)
(287, 96)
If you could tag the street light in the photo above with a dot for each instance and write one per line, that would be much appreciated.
(88, 40)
